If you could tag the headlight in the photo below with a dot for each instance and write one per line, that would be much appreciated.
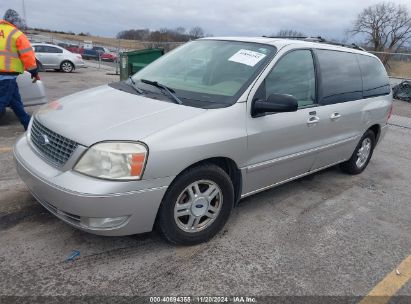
(114, 160)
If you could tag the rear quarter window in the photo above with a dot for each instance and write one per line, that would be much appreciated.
(340, 77)
(374, 75)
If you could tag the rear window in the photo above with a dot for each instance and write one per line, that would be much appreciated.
(375, 78)
(340, 77)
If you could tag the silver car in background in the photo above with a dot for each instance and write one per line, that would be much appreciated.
(209, 123)
(54, 57)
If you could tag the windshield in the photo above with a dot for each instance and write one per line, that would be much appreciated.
(208, 71)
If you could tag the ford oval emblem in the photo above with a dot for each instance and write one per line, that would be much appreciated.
(43, 140)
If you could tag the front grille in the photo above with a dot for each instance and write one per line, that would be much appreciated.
(55, 148)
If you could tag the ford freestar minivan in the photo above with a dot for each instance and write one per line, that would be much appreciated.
(214, 121)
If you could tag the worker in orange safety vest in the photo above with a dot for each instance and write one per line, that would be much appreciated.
(16, 55)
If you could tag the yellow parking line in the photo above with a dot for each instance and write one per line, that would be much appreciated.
(389, 286)
(6, 149)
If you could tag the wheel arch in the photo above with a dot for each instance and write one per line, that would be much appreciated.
(229, 166)
(376, 129)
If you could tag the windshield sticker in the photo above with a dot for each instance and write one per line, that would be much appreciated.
(247, 57)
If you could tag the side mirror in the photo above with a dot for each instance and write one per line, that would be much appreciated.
(275, 103)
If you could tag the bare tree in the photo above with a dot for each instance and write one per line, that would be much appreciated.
(180, 30)
(289, 33)
(196, 32)
(15, 18)
(385, 26)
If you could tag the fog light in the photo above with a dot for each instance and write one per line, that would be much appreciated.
(103, 222)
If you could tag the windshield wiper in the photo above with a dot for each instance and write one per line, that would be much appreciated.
(133, 84)
(170, 91)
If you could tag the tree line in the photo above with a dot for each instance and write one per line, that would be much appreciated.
(179, 34)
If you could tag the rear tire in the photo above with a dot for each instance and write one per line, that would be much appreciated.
(196, 206)
(361, 155)
(67, 67)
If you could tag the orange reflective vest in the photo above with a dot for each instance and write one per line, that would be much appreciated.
(16, 53)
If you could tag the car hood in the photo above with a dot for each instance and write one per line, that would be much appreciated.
(105, 113)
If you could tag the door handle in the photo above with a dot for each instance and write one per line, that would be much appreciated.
(335, 116)
(313, 120)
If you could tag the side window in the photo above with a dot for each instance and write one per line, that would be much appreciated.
(374, 77)
(340, 77)
(53, 50)
(293, 74)
(38, 49)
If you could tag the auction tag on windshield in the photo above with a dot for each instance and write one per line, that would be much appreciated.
(247, 57)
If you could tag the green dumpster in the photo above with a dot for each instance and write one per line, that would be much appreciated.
(134, 61)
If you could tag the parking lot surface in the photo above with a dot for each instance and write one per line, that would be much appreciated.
(328, 234)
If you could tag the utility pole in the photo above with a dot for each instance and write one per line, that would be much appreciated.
(24, 11)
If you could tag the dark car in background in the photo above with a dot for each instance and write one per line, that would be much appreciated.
(90, 54)
(100, 49)
(95, 53)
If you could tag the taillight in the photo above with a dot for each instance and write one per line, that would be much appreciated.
(390, 112)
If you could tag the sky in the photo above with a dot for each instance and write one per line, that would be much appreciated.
(326, 18)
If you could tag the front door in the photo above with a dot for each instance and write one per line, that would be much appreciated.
(284, 145)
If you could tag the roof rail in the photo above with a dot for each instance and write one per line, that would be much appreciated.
(319, 39)
(287, 37)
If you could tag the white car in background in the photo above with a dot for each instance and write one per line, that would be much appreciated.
(54, 57)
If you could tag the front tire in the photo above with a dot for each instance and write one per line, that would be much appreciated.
(361, 156)
(67, 67)
(196, 206)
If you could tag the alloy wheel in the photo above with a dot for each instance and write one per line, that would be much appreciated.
(364, 152)
(67, 67)
(198, 206)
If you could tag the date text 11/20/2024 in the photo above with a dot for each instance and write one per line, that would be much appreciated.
(205, 299)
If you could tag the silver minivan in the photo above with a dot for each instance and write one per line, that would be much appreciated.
(218, 119)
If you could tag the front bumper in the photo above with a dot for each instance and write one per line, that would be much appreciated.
(71, 196)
